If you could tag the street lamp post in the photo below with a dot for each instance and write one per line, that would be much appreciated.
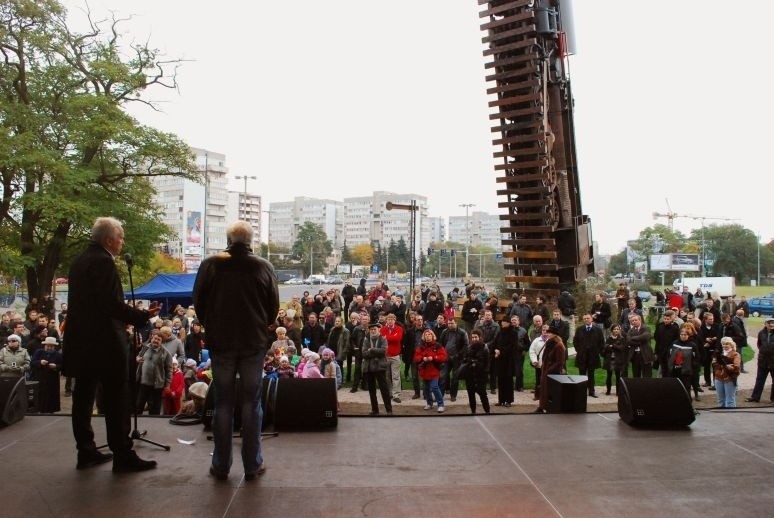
(467, 236)
(244, 197)
(268, 231)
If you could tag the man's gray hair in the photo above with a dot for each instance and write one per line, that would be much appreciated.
(104, 228)
(240, 232)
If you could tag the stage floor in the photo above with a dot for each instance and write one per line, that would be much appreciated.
(500, 465)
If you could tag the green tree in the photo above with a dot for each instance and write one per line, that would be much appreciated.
(618, 263)
(312, 247)
(346, 254)
(732, 249)
(68, 150)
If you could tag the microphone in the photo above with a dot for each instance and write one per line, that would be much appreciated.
(128, 260)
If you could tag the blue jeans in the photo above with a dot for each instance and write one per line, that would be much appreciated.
(726, 392)
(433, 390)
(225, 366)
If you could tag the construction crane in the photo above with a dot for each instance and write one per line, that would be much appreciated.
(670, 215)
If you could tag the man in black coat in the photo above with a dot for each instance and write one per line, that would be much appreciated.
(347, 293)
(96, 350)
(589, 342)
(313, 334)
(236, 298)
(708, 339)
(667, 332)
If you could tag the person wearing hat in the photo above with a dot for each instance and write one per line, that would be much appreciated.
(35, 341)
(312, 366)
(765, 361)
(14, 359)
(554, 354)
(375, 365)
(46, 365)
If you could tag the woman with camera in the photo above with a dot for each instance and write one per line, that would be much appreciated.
(726, 364)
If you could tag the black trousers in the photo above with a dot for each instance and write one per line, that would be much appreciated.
(116, 407)
(449, 381)
(477, 386)
(518, 371)
(707, 364)
(640, 369)
(151, 396)
(609, 380)
(589, 373)
(378, 378)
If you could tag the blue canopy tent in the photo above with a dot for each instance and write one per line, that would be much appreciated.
(170, 289)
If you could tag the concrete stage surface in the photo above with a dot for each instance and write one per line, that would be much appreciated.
(584, 465)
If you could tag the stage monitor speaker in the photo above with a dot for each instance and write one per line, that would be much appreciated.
(567, 393)
(209, 406)
(33, 397)
(304, 404)
(13, 400)
(654, 402)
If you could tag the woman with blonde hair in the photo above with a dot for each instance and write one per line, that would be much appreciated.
(726, 365)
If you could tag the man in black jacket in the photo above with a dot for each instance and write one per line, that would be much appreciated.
(708, 339)
(313, 334)
(347, 293)
(96, 350)
(454, 340)
(236, 298)
(589, 344)
(765, 361)
(667, 332)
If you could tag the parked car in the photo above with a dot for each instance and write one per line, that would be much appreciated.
(761, 306)
(61, 280)
(294, 280)
(334, 279)
(644, 295)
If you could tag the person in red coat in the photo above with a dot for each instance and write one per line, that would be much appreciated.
(171, 396)
(429, 358)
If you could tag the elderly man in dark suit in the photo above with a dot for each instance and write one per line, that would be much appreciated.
(236, 298)
(589, 344)
(640, 352)
(96, 350)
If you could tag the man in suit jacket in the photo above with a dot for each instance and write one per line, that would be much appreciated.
(639, 349)
(96, 350)
(589, 344)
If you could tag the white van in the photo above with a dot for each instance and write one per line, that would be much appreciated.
(722, 286)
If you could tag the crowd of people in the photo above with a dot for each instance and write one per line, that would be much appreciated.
(367, 336)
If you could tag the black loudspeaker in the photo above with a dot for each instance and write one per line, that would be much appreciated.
(654, 402)
(33, 397)
(209, 406)
(302, 404)
(566, 394)
(13, 400)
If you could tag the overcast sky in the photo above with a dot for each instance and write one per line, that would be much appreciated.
(333, 99)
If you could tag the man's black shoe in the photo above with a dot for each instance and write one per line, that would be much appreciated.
(353, 390)
(751, 400)
(132, 463)
(415, 396)
(712, 388)
(261, 471)
(593, 395)
(219, 476)
(92, 458)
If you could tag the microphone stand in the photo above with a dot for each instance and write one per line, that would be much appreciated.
(136, 434)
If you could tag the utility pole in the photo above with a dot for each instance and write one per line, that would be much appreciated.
(268, 235)
(467, 236)
(244, 200)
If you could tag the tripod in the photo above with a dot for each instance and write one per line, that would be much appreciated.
(136, 434)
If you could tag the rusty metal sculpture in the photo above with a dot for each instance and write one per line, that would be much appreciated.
(528, 42)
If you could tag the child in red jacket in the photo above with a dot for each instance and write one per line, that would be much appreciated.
(429, 358)
(172, 395)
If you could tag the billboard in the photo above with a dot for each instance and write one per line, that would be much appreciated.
(675, 262)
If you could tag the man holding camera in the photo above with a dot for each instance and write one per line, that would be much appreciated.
(14, 359)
